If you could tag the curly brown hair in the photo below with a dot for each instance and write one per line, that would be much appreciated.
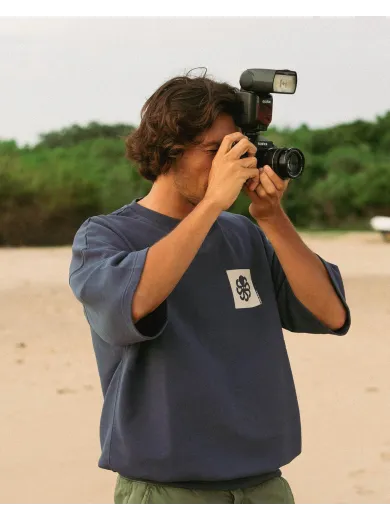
(174, 117)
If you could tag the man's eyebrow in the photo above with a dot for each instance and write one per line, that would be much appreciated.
(212, 143)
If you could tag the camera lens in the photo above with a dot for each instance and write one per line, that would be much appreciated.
(295, 162)
(286, 162)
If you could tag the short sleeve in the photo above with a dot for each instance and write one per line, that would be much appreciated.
(294, 316)
(104, 275)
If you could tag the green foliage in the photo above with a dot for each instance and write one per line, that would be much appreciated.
(48, 190)
(75, 134)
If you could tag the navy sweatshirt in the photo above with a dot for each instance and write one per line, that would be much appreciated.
(200, 391)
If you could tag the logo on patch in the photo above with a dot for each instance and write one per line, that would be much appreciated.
(243, 288)
(244, 293)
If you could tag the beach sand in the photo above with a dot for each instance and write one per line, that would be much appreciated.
(51, 396)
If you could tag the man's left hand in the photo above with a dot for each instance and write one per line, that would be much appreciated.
(266, 195)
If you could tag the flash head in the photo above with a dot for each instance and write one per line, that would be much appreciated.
(268, 81)
(255, 115)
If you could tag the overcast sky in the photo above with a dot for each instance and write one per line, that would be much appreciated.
(59, 71)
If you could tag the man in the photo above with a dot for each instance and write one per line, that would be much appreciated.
(186, 304)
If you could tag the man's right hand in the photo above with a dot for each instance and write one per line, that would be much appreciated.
(229, 172)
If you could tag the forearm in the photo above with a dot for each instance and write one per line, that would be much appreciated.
(305, 272)
(168, 259)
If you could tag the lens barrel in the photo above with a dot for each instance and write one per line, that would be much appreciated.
(287, 163)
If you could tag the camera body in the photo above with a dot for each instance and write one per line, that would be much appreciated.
(256, 115)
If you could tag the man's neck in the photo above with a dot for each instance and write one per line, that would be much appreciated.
(164, 198)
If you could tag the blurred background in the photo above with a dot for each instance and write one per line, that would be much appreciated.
(72, 88)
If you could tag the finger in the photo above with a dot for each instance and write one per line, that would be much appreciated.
(277, 181)
(229, 140)
(252, 152)
(261, 193)
(248, 162)
(251, 194)
(267, 184)
(250, 173)
(252, 184)
(242, 147)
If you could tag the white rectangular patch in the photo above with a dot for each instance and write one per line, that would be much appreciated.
(244, 293)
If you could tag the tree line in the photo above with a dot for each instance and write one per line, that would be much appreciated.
(49, 189)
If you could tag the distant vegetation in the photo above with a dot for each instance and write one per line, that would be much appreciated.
(48, 190)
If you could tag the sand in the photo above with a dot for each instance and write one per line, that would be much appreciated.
(51, 397)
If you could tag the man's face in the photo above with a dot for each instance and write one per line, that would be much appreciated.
(191, 172)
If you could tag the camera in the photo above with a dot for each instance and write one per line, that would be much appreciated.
(257, 86)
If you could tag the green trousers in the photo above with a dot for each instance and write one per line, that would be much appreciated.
(274, 491)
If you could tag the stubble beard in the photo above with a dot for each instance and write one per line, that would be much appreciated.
(181, 185)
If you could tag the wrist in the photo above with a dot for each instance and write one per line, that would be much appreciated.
(211, 206)
(274, 222)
